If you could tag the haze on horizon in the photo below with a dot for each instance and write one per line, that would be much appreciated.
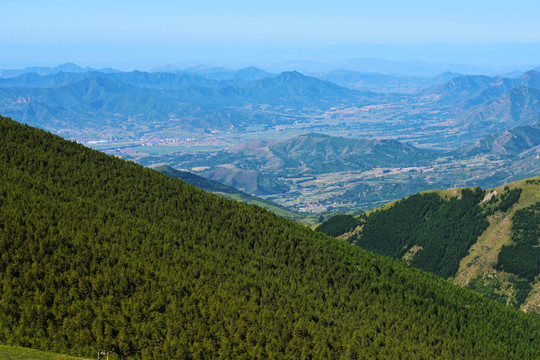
(138, 34)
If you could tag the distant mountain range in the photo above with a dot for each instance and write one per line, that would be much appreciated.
(262, 167)
(85, 103)
(132, 105)
(221, 73)
(473, 89)
(384, 83)
(131, 102)
(491, 103)
(44, 70)
(376, 150)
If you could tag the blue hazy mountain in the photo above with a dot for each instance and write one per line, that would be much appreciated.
(221, 73)
(43, 70)
(183, 101)
(384, 83)
(492, 104)
(468, 87)
(134, 103)
(518, 141)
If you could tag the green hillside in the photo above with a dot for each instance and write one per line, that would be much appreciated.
(485, 240)
(21, 353)
(100, 253)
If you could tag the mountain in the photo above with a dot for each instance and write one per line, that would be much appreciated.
(490, 104)
(162, 81)
(99, 254)
(42, 70)
(35, 80)
(519, 106)
(220, 73)
(485, 240)
(473, 88)
(384, 83)
(136, 103)
(318, 153)
(465, 88)
(250, 73)
(97, 104)
(189, 104)
(197, 181)
(139, 79)
(250, 181)
(530, 79)
(293, 88)
(517, 141)
(297, 84)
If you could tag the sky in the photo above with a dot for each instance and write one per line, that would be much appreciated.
(144, 33)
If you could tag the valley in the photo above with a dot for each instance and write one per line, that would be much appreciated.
(449, 126)
(318, 173)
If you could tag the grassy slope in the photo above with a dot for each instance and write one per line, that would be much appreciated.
(21, 353)
(482, 258)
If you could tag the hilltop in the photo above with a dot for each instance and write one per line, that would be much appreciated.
(101, 253)
(447, 111)
(486, 240)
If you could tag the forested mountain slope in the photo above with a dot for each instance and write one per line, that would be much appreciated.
(98, 253)
(485, 240)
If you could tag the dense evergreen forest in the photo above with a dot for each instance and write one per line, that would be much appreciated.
(437, 232)
(434, 231)
(523, 257)
(339, 225)
(98, 253)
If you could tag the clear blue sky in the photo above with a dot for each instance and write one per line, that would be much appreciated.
(29, 27)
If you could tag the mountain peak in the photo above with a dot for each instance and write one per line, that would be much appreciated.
(250, 73)
(69, 67)
(292, 75)
(531, 79)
